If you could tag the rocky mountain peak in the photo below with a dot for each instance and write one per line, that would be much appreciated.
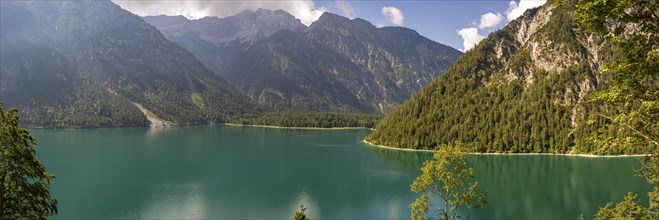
(332, 21)
(336, 64)
(246, 26)
(329, 16)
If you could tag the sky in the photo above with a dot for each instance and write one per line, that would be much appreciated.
(460, 24)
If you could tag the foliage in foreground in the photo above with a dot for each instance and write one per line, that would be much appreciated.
(632, 26)
(447, 177)
(24, 191)
(632, 99)
(300, 215)
(630, 207)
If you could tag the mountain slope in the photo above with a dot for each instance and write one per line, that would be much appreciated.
(97, 59)
(290, 72)
(336, 64)
(401, 60)
(372, 69)
(521, 89)
(219, 41)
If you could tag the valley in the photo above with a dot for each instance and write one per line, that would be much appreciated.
(524, 109)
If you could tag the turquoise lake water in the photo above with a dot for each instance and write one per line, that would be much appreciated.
(225, 172)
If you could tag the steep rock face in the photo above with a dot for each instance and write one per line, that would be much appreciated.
(219, 41)
(95, 50)
(290, 72)
(354, 66)
(247, 26)
(519, 90)
(374, 69)
(400, 60)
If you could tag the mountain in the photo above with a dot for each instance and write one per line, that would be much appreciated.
(93, 64)
(393, 62)
(337, 64)
(219, 41)
(288, 71)
(522, 89)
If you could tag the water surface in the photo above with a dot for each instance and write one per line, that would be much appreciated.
(225, 172)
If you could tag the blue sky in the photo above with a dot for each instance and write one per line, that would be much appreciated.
(437, 20)
(459, 24)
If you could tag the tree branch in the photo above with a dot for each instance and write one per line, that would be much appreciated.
(631, 128)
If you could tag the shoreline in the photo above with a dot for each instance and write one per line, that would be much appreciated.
(363, 140)
(203, 124)
(511, 154)
(303, 128)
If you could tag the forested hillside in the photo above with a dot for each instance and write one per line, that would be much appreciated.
(522, 89)
(313, 119)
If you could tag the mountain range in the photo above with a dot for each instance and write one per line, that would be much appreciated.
(94, 64)
(336, 64)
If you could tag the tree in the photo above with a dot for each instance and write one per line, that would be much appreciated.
(632, 28)
(299, 215)
(650, 171)
(24, 191)
(630, 208)
(447, 177)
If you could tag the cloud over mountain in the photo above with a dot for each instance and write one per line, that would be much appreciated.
(517, 9)
(393, 15)
(470, 37)
(490, 19)
(305, 10)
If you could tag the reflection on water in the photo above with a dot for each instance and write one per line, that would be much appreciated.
(395, 207)
(541, 186)
(332, 145)
(224, 172)
(154, 132)
(408, 160)
(175, 201)
(382, 173)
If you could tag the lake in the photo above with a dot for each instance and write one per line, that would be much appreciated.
(218, 172)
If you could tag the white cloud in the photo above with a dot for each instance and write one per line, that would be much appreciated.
(345, 8)
(393, 15)
(470, 37)
(305, 10)
(489, 20)
(517, 9)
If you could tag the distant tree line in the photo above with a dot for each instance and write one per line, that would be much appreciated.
(312, 119)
